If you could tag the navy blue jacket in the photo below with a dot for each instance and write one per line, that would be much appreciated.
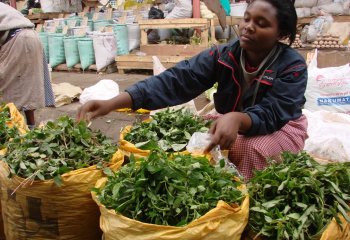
(279, 99)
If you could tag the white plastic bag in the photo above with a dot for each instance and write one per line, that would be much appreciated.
(197, 144)
(319, 25)
(157, 66)
(103, 90)
(328, 88)
(105, 48)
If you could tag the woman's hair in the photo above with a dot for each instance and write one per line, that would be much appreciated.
(286, 16)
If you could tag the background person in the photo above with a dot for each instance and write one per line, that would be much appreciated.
(24, 76)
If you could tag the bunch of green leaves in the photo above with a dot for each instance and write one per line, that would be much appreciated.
(6, 133)
(209, 94)
(57, 148)
(298, 198)
(169, 130)
(168, 189)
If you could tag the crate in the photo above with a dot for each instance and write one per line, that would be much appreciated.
(200, 24)
(133, 61)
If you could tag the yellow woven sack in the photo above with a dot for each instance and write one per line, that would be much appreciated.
(16, 120)
(128, 148)
(42, 210)
(333, 230)
(3, 152)
(223, 222)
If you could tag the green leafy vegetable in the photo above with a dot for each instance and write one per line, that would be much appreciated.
(57, 148)
(298, 198)
(169, 130)
(168, 189)
(6, 133)
(210, 92)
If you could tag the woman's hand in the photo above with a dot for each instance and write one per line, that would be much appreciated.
(97, 108)
(225, 129)
(92, 109)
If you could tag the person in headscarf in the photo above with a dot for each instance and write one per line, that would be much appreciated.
(24, 78)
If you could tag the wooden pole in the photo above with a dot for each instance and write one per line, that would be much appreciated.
(196, 12)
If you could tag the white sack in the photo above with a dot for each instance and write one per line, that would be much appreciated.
(105, 48)
(328, 88)
(332, 8)
(305, 3)
(303, 12)
(323, 2)
(134, 36)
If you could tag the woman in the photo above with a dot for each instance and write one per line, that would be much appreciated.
(261, 86)
(24, 79)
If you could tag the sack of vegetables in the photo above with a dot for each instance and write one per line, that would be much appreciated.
(46, 178)
(11, 124)
(300, 199)
(171, 196)
(169, 130)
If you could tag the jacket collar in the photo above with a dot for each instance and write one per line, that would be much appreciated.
(230, 58)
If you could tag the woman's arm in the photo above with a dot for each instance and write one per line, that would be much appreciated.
(176, 85)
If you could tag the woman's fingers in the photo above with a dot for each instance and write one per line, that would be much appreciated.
(83, 112)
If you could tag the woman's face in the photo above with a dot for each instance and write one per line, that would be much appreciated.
(259, 27)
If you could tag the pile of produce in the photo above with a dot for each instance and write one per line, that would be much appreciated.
(6, 133)
(169, 130)
(298, 198)
(169, 189)
(57, 148)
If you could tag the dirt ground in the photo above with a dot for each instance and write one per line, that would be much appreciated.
(112, 122)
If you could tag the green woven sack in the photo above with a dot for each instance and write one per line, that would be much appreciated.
(70, 21)
(71, 51)
(45, 42)
(56, 49)
(101, 23)
(86, 52)
(121, 38)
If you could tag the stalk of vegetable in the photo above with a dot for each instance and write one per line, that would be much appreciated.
(298, 198)
(168, 189)
(57, 148)
(169, 130)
